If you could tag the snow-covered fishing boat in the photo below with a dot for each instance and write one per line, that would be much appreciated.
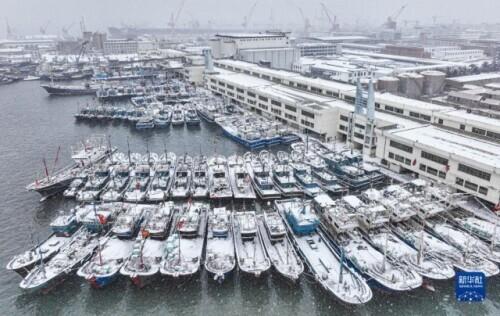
(184, 247)
(138, 184)
(47, 275)
(486, 230)
(306, 181)
(338, 214)
(102, 269)
(157, 220)
(128, 222)
(463, 260)
(395, 199)
(250, 253)
(428, 266)
(260, 173)
(199, 183)
(160, 184)
(285, 181)
(177, 117)
(181, 185)
(191, 117)
(95, 184)
(98, 217)
(240, 179)
(372, 214)
(219, 254)
(117, 184)
(143, 264)
(63, 227)
(328, 182)
(329, 270)
(463, 240)
(278, 247)
(218, 179)
(74, 187)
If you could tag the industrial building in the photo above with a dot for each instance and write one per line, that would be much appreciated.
(406, 134)
(228, 45)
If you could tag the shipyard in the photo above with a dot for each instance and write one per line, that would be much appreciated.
(266, 158)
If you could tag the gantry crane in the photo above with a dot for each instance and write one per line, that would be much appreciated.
(334, 26)
(391, 20)
(246, 19)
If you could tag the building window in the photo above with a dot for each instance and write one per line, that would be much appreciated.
(391, 155)
(275, 103)
(400, 146)
(422, 167)
(493, 135)
(290, 108)
(251, 94)
(462, 127)
(414, 114)
(434, 158)
(483, 190)
(478, 131)
(240, 90)
(442, 175)
(358, 135)
(359, 126)
(470, 186)
(262, 98)
(344, 118)
(230, 87)
(425, 117)
(474, 172)
(432, 171)
(308, 114)
(440, 121)
(459, 181)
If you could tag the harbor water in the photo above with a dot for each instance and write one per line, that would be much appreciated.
(34, 125)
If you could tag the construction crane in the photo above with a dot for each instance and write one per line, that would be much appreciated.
(65, 30)
(43, 28)
(246, 19)
(83, 46)
(173, 19)
(307, 23)
(391, 20)
(334, 26)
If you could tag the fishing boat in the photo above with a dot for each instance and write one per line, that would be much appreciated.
(86, 153)
(74, 187)
(329, 269)
(241, 182)
(98, 217)
(463, 260)
(328, 182)
(181, 185)
(308, 184)
(191, 117)
(278, 247)
(462, 240)
(104, 266)
(145, 123)
(128, 222)
(157, 220)
(285, 181)
(23, 263)
(143, 264)
(250, 253)
(177, 117)
(485, 228)
(199, 182)
(184, 247)
(260, 174)
(117, 184)
(48, 275)
(219, 254)
(160, 184)
(219, 183)
(427, 265)
(396, 199)
(95, 185)
(162, 120)
(138, 184)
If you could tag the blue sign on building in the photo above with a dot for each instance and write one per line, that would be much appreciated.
(470, 286)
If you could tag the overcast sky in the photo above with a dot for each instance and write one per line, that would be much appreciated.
(26, 16)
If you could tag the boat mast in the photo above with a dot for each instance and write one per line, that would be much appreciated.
(385, 253)
(98, 239)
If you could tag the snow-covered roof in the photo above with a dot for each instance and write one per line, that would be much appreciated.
(472, 78)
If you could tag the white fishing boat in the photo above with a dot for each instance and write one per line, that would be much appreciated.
(95, 184)
(117, 184)
(372, 214)
(395, 199)
(199, 183)
(250, 253)
(329, 269)
(106, 262)
(285, 181)
(177, 117)
(463, 260)
(157, 220)
(240, 179)
(138, 184)
(184, 247)
(160, 184)
(464, 241)
(96, 218)
(260, 173)
(128, 222)
(427, 265)
(218, 179)
(278, 247)
(219, 254)
(48, 275)
(305, 180)
(181, 185)
(143, 264)
(338, 214)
